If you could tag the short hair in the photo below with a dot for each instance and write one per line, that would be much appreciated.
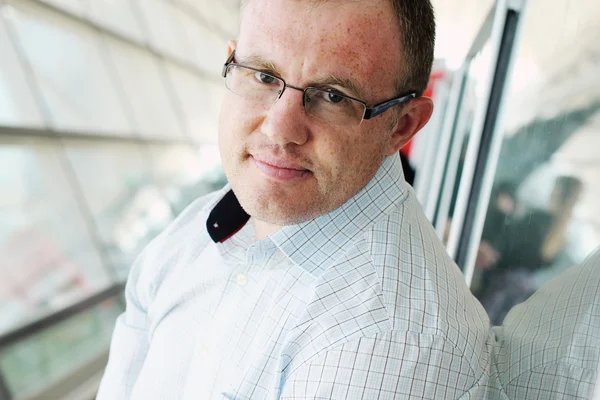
(417, 35)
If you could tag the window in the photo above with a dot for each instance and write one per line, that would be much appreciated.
(75, 82)
(41, 361)
(17, 105)
(76, 7)
(542, 216)
(152, 104)
(119, 16)
(127, 207)
(165, 29)
(201, 100)
(47, 256)
(209, 50)
(185, 174)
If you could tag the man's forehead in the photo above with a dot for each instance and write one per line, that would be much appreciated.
(344, 38)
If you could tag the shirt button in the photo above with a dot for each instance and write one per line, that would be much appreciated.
(242, 279)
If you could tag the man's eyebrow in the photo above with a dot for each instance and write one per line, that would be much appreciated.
(257, 62)
(339, 81)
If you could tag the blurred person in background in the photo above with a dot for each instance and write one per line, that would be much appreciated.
(316, 273)
(524, 246)
(501, 213)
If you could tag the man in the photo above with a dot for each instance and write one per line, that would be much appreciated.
(316, 275)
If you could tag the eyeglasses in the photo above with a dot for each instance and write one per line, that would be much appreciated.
(326, 104)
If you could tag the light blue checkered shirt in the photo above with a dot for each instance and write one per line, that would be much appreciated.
(361, 303)
(548, 347)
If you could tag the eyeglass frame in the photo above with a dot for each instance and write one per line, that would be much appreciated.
(370, 112)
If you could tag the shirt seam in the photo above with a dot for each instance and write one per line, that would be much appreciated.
(338, 345)
(542, 366)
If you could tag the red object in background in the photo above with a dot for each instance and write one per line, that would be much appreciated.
(435, 77)
(32, 257)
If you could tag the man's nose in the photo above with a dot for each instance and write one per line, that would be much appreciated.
(286, 121)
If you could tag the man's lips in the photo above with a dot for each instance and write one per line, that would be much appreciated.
(279, 169)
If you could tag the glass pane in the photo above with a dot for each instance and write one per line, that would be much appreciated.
(201, 101)
(165, 28)
(118, 16)
(185, 174)
(128, 209)
(224, 14)
(208, 49)
(47, 259)
(77, 7)
(544, 213)
(75, 81)
(17, 105)
(145, 88)
(472, 99)
(456, 28)
(41, 360)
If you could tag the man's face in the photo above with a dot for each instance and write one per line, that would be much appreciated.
(285, 166)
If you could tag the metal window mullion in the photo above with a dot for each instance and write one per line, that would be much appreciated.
(458, 219)
(452, 161)
(442, 154)
(491, 145)
(460, 129)
(86, 136)
(425, 170)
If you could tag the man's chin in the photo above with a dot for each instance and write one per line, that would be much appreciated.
(276, 209)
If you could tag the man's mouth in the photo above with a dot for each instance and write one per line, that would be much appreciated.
(278, 168)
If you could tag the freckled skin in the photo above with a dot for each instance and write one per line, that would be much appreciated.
(356, 40)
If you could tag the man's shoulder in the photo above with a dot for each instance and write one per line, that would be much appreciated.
(188, 228)
(422, 288)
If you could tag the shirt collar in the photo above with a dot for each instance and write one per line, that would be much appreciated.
(316, 244)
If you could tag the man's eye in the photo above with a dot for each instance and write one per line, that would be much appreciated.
(334, 97)
(264, 78)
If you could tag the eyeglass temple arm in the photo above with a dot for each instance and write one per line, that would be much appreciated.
(229, 61)
(380, 108)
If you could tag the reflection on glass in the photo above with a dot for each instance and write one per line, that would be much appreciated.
(127, 207)
(17, 105)
(75, 82)
(166, 33)
(47, 259)
(41, 360)
(76, 7)
(185, 174)
(543, 215)
(201, 112)
(210, 48)
(119, 16)
(140, 74)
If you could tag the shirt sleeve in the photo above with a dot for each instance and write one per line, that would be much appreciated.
(131, 337)
(128, 346)
(388, 366)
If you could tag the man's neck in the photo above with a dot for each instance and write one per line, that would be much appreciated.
(263, 229)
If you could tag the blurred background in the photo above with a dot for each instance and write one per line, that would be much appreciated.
(108, 114)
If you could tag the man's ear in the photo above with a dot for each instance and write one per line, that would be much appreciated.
(231, 47)
(415, 115)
